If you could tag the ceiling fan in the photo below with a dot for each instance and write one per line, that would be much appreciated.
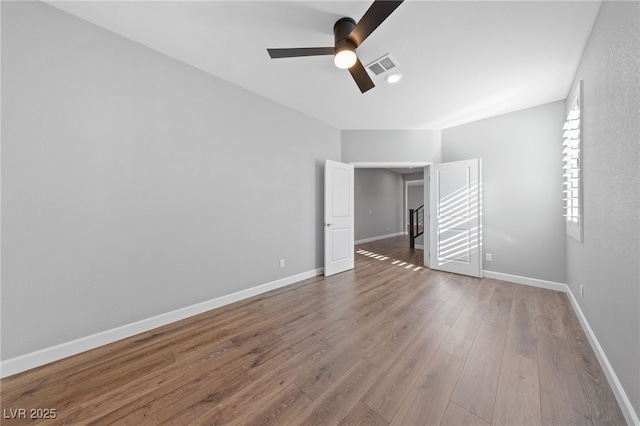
(348, 36)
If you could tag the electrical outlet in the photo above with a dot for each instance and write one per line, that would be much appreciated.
(281, 263)
(488, 257)
(581, 291)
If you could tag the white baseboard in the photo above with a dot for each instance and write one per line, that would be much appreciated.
(533, 282)
(64, 350)
(621, 396)
(381, 237)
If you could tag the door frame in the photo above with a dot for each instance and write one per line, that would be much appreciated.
(418, 165)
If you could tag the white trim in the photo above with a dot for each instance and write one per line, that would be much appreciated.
(533, 282)
(381, 237)
(63, 350)
(390, 165)
(621, 396)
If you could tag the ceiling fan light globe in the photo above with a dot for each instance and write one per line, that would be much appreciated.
(345, 58)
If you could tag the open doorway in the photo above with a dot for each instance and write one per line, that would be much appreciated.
(383, 194)
(414, 200)
(453, 193)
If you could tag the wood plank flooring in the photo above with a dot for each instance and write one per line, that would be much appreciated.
(388, 343)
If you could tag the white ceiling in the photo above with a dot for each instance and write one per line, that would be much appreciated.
(461, 60)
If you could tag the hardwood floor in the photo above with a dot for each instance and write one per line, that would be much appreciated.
(388, 343)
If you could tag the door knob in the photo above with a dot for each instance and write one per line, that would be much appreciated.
(328, 224)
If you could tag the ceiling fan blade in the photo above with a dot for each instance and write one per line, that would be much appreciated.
(300, 51)
(361, 76)
(377, 13)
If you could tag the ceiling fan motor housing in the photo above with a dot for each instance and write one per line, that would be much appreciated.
(342, 29)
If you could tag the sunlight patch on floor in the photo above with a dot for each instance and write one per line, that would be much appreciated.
(394, 262)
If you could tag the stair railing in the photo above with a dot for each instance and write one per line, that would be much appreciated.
(416, 225)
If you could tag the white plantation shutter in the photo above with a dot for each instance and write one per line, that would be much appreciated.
(572, 158)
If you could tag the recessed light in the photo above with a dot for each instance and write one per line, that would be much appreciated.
(394, 78)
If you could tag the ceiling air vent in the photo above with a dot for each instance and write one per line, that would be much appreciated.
(382, 65)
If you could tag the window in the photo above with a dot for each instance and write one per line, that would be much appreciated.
(572, 164)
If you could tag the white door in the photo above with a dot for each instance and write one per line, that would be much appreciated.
(455, 217)
(338, 217)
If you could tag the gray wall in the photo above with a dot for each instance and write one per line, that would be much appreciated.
(522, 186)
(606, 263)
(378, 203)
(413, 176)
(415, 196)
(391, 146)
(134, 185)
